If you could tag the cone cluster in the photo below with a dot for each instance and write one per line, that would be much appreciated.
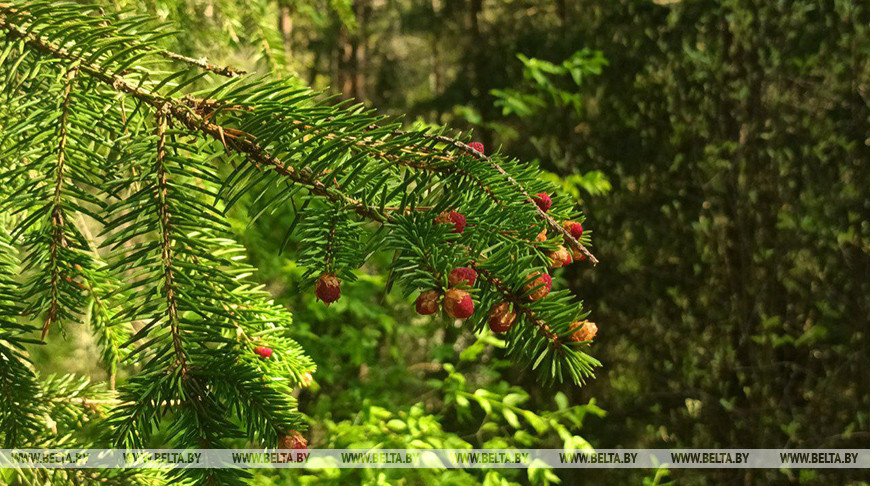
(457, 301)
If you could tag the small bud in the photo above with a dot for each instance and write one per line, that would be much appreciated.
(583, 331)
(476, 146)
(462, 275)
(263, 352)
(427, 302)
(454, 218)
(560, 258)
(542, 236)
(501, 319)
(542, 199)
(574, 228)
(458, 304)
(307, 379)
(292, 440)
(328, 288)
(539, 285)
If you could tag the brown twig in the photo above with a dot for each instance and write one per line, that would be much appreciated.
(201, 63)
(166, 237)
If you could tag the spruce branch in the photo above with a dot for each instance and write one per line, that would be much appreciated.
(102, 19)
(193, 119)
(520, 306)
(203, 63)
(342, 162)
(230, 138)
(166, 238)
(198, 116)
(552, 223)
(424, 153)
(57, 216)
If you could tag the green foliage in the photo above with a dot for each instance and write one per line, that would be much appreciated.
(503, 407)
(735, 140)
(733, 134)
(67, 412)
(17, 379)
(543, 84)
(593, 183)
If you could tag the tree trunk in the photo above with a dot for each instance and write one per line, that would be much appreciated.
(285, 26)
(352, 54)
(477, 60)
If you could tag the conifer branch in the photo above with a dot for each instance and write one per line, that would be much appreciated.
(203, 63)
(243, 143)
(230, 138)
(58, 236)
(284, 145)
(519, 305)
(552, 223)
(200, 63)
(166, 238)
(422, 151)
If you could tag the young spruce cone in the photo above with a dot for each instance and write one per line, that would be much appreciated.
(583, 331)
(458, 304)
(292, 440)
(501, 318)
(427, 302)
(560, 258)
(328, 288)
(454, 218)
(462, 275)
(541, 283)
